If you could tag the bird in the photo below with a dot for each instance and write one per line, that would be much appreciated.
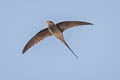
(54, 30)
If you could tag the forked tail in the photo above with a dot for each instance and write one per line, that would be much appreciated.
(69, 48)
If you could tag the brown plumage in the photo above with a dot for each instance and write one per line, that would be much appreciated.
(39, 36)
(55, 30)
(68, 24)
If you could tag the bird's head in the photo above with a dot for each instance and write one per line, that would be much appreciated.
(50, 23)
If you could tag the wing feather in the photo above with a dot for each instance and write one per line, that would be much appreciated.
(38, 37)
(68, 24)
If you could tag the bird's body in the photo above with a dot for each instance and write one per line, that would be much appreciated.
(55, 30)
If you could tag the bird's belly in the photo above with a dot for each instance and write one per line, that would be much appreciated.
(55, 31)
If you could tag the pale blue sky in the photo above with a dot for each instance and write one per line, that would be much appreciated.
(97, 46)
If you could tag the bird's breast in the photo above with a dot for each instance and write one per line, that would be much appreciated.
(55, 31)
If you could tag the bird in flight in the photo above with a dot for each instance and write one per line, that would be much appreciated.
(54, 30)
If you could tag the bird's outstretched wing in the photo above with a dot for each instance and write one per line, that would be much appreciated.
(68, 24)
(39, 36)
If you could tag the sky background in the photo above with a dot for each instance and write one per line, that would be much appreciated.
(98, 46)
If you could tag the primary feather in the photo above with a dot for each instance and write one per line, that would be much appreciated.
(35, 39)
(68, 24)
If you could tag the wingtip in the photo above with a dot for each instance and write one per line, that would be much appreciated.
(90, 23)
(23, 51)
